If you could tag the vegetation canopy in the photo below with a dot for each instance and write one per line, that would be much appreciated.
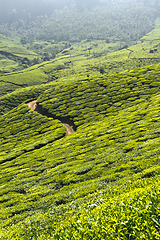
(80, 122)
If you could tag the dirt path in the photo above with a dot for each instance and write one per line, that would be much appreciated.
(131, 54)
(33, 106)
(68, 128)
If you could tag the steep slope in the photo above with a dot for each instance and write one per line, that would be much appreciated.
(35, 107)
(116, 140)
(84, 59)
(93, 99)
(100, 182)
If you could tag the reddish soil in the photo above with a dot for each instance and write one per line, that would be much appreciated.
(33, 106)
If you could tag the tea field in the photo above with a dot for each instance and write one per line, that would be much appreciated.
(88, 58)
(116, 141)
(102, 181)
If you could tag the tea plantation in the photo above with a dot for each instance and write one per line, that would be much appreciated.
(100, 182)
(117, 140)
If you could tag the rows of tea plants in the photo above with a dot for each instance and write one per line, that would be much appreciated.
(127, 210)
(11, 82)
(12, 55)
(23, 130)
(40, 168)
(130, 216)
(85, 59)
(92, 99)
(21, 95)
(100, 182)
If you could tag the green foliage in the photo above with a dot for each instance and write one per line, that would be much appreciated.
(12, 100)
(118, 22)
(12, 81)
(126, 211)
(40, 172)
(100, 182)
(80, 62)
(89, 100)
(12, 55)
(14, 142)
(101, 70)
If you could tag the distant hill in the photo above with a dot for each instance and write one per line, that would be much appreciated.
(12, 11)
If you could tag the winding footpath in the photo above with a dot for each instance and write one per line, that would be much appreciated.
(130, 55)
(33, 106)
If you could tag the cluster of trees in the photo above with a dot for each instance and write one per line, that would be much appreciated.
(117, 23)
(12, 11)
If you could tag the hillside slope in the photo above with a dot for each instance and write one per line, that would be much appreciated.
(102, 180)
(116, 138)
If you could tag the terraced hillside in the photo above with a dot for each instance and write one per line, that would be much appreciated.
(85, 59)
(117, 137)
(14, 57)
(101, 181)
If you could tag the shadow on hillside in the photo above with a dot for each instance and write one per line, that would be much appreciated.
(64, 120)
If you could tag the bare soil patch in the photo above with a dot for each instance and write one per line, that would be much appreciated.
(32, 105)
